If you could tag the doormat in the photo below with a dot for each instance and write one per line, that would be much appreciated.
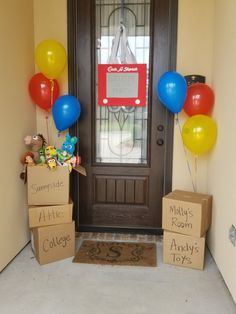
(117, 253)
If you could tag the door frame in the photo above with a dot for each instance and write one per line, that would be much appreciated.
(73, 17)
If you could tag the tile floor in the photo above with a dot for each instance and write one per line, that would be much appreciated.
(67, 288)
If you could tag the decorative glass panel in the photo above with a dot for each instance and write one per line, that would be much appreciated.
(122, 132)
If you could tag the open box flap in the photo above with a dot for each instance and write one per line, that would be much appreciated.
(80, 169)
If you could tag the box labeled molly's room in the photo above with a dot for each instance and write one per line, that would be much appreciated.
(186, 212)
(183, 250)
(50, 215)
(54, 243)
(47, 187)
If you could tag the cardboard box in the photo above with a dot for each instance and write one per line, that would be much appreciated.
(186, 212)
(54, 243)
(205, 197)
(47, 187)
(80, 169)
(50, 215)
(183, 250)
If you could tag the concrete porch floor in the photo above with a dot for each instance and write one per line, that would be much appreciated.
(64, 287)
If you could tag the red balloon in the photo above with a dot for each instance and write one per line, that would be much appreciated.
(43, 91)
(200, 99)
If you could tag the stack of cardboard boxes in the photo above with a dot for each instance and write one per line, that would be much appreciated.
(50, 213)
(186, 217)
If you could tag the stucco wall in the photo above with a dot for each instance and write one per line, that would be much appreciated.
(222, 167)
(17, 118)
(194, 56)
(50, 22)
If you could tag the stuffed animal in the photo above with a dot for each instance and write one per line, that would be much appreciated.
(65, 155)
(27, 160)
(42, 157)
(75, 161)
(50, 151)
(62, 156)
(68, 165)
(35, 142)
(69, 144)
(51, 162)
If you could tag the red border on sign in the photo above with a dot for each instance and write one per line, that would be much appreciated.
(103, 69)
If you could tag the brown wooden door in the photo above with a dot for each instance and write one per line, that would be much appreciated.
(127, 151)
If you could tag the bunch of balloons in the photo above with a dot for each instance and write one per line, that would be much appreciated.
(50, 57)
(199, 132)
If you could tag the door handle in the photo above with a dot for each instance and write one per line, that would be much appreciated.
(160, 141)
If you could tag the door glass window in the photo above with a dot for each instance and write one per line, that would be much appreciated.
(122, 132)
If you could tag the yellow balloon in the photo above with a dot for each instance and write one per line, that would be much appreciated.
(50, 57)
(199, 134)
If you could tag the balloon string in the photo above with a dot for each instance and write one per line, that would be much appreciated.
(51, 92)
(57, 139)
(195, 171)
(185, 153)
(47, 126)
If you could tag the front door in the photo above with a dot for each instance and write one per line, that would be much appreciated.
(127, 151)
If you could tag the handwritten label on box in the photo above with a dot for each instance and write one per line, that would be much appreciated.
(50, 215)
(47, 187)
(53, 243)
(183, 250)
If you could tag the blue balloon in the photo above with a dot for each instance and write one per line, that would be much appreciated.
(65, 111)
(172, 91)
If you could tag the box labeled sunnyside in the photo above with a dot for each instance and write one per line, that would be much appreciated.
(47, 187)
(186, 212)
(50, 215)
(54, 243)
(183, 250)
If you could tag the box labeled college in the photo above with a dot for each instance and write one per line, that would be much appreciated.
(50, 215)
(47, 187)
(53, 243)
(183, 250)
(186, 212)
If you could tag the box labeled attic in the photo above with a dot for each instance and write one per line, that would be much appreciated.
(50, 215)
(54, 243)
(186, 212)
(47, 187)
(183, 250)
